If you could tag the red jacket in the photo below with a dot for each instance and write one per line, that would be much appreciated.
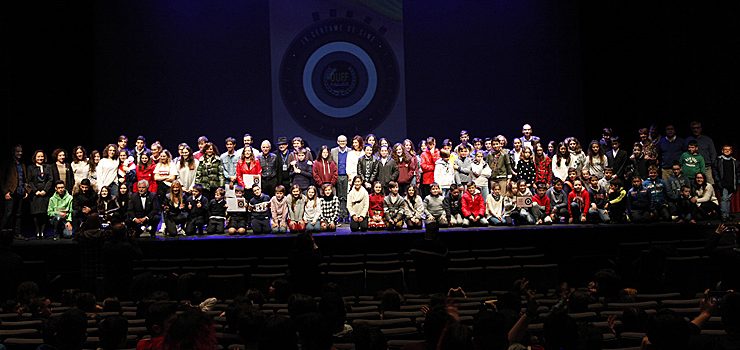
(376, 203)
(583, 196)
(543, 202)
(324, 171)
(428, 159)
(148, 175)
(473, 205)
(407, 171)
(241, 169)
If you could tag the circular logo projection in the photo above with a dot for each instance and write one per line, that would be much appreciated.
(339, 75)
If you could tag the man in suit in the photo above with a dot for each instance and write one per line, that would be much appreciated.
(15, 190)
(143, 210)
(339, 155)
(617, 158)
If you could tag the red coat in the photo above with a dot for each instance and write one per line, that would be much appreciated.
(324, 171)
(241, 169)
(473, 205)
(407, 171)
(376, 203)
(584, 196)
(428, 159)
(544, 202)
(148, 175)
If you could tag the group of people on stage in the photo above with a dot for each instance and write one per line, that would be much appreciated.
(369, 183)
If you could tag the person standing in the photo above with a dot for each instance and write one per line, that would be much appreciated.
(40, 183)
(339, 156)
(269, 165)
(283, 164)
(229, 160)
(15, 188)
(706, 148)
(670, 147)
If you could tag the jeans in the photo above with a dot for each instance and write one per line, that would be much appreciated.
(484, 192)
(599, 213)
(342, 190)
(60, 227)
(12, 214)
(313, 227)
(725, 203)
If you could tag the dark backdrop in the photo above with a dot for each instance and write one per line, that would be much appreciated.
(173, 70)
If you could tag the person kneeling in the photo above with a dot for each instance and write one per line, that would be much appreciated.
(259, 205)
(473, 207)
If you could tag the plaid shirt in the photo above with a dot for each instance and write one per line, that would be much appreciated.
(543, 170)
(329, 209)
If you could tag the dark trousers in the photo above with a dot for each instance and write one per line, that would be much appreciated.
(425, 190)
(342, 190)
(268, 186)
(261, 226)
(358, 226)
(215, 226)
(12, 213)
(195, 225)
(172, 220)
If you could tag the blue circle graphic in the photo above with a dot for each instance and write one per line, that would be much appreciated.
(340, 112)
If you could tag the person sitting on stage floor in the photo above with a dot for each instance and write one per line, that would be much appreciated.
(495, 207)
(638, 202)
(541, 205)
(568, 183)
(579, 202)
(434, 209)
(414, 208)
(452, 204)
(237, 219)
(394, 207)
(174, 210)
(523, 214)
(296, 206)
(376, 215)
(197, 211)
(312, 210)
(617, 200)
(259, 207)
(279, 210)
(84, 203)
(358, 203)
(706, 199)
(217, 213)
(473, 207)
(143, 209)
(686, 208)
(107, 207)
(599, 210)
(329, 204)
(558, 202)
(60, 211)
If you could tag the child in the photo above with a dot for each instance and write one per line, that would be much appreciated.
(495, 207)
(685, 207)
(568, 183)
(444, 173)
(279, 210)
(728, 172)
(296, 206)
(259, 206)
(238, 219)
(60, 210)
(637, 164)
(312, 211)
(691, 161)
(608, 176)
(329, 204)
(525, 169)
(368, 168)
(301, 171)
(522, 214)
(558, 202)
(387, 169)
(638, 202)
(358, 203)
(452, 203)
(599, 201)
(656, 187)
(480, 172)
(217, 213)
(375, 214)
(414, 208)
(198, 211)
(394, 206)
(473, 207)
(617, 204)
(541, 205)
(463, 165)
(578, 202)
(434, 209)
